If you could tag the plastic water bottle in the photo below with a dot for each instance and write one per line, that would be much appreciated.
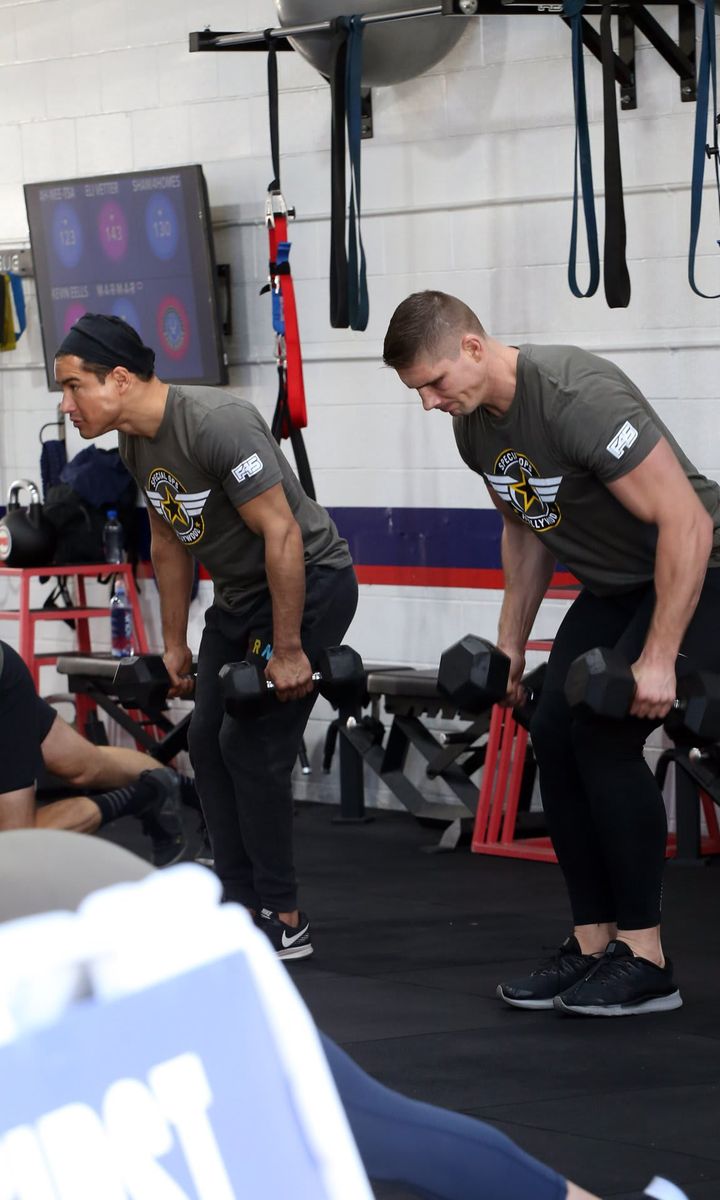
(121, 622)
(113, 542)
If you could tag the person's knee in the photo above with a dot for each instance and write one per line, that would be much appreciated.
(203, 739)
(598, 742)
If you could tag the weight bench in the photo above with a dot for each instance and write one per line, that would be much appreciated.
(93, 675)
(410, 695)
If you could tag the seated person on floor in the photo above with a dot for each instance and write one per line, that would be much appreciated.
(111, 781)
(435, 1153)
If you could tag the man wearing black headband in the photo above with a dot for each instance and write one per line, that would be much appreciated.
(220, 490)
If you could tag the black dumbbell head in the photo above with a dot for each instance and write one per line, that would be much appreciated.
(343, 676)
(243, 684)
(600, 682)
(473, 673)
(144, 679)
(698, 715)
(340, 664)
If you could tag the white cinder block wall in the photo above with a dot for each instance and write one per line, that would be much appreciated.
(466, 186)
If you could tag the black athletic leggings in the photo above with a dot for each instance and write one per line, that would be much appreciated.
(243, 766)
(605, 811)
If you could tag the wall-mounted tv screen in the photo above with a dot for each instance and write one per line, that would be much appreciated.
(137, 246)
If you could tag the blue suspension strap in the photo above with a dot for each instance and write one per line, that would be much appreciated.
(290, 415)
(617, 279)
(349, 305)
(707, 78)
(573, 10)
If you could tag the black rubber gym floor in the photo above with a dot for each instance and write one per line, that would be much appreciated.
(409, 948)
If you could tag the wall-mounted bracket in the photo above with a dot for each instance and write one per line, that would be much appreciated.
(679, 55)
(18, 260)
(626, 54)
(624, 61)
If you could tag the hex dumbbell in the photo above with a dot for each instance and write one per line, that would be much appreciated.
(601, 683)
(340, 678)
(143, 678)
(474, 674)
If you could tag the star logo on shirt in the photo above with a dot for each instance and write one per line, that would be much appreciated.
(181, 509)
(531, 496)
(172, 508)
(523, 494)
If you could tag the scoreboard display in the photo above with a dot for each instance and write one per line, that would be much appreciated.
(136, 246)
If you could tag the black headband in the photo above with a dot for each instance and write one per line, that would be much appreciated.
(109, 341)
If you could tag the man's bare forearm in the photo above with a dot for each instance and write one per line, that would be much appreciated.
(527, 567)
(681, 559)
(285, 569)
(174, 572)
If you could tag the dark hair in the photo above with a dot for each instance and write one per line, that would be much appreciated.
(422, 324)
(102, 372)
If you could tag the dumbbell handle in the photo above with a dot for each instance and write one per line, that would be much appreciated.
(316, 678)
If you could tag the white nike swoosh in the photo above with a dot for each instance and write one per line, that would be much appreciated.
(290, 941)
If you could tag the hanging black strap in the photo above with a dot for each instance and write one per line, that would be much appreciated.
(358, 305)
(272, 76)
(617, 279)
(339, 314)
(707, 78)
(348, 273)
(573, 10)
(281, 418)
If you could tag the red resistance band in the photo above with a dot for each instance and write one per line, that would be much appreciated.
(289, 353)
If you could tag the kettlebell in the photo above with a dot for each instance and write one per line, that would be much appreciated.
(27, 539)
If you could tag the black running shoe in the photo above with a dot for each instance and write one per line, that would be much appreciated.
(620, 985)
(287, 941)
(554, 975)
(161, 817)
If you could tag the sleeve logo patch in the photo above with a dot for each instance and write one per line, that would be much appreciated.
(246, 468)
(623, 440)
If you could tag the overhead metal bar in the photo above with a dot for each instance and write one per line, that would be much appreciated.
(679, 55)
(207, 40)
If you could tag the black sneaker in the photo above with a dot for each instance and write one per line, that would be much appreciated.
(621, 985)
(554, 975)
(286, 940)
(161, 817)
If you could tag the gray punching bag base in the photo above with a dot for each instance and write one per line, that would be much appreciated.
(393, 51)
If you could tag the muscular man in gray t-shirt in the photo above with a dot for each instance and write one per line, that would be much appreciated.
(220, 491)
(584, 472)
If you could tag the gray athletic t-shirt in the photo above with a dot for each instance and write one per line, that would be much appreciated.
(575, 424)
(213, 452)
